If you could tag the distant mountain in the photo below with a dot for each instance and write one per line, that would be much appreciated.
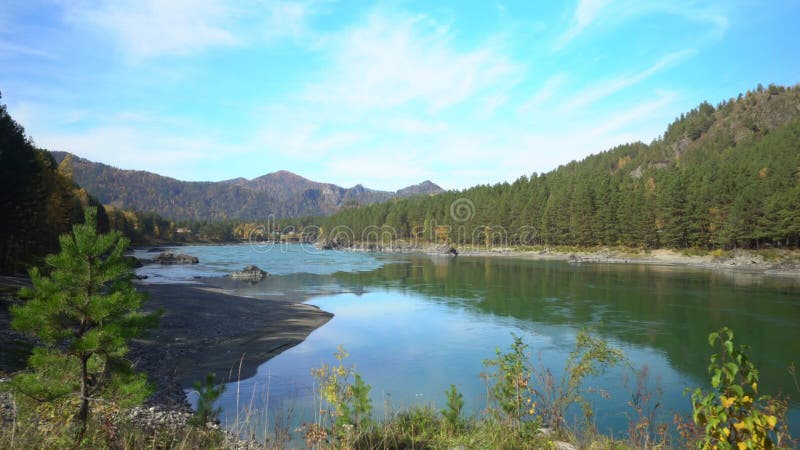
(282, 193)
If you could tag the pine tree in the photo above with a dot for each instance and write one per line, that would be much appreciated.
(84, 313)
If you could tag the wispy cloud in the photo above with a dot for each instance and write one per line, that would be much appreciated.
(304, 141)
(152, 28)
(148, 28)
(547, 91)
(286, 19)
(411, 125)
(133, 147)
(615, 12)
(9, 49)
(633, 116)
(586, 12)
(393, 60)
(607, 88)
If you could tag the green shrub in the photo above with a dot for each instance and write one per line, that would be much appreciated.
(510, 388)
(734, 415)
(590, 357)
(208, 391)
(344, 403)
(455, 404)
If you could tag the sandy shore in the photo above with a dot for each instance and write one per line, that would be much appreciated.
(204, 329)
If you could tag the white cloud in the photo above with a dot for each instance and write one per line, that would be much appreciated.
(304, 141)
(286, 19)
(548, 90)
(396, 60)
(151, 28)
(131, 148)
(148, 28)
(586, 12)
(613, 12)
(633, 116)
(410, 125)
(607, 88)
(8, 49)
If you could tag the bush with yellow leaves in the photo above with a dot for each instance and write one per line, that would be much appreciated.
(734, 415)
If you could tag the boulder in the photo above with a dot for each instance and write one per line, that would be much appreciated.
(249, 273)
(172, 258)
(327, 244)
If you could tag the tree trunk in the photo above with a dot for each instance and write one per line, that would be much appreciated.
(83, 413)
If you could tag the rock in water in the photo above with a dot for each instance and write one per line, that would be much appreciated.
(249, 273)
(172, 258)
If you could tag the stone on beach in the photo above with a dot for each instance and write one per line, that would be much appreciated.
(249, 273)
(172, 258)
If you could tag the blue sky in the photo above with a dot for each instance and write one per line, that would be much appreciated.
(385, 94)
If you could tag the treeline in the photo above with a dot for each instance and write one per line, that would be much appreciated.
(37, 202)
(720, 177)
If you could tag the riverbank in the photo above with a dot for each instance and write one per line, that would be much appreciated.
(783, 264)
(204, 329)
(780, 263)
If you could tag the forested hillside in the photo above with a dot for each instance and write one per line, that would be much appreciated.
(720, 177)
(282, 194)
(37, 203)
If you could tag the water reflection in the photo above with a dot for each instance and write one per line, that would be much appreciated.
(667, 308)
(414, 324)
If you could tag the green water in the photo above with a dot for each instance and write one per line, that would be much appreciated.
(415, 324)
(668, 309)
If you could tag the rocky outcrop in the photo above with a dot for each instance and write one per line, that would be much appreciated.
(173, 258)
(398, 246)
(249, 273)
(328, 244)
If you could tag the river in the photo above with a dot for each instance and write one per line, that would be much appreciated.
(414, 324)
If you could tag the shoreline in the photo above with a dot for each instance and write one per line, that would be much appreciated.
(739, 261)
(205, 329)
(786, 264)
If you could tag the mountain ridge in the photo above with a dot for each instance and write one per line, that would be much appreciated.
(283, 194)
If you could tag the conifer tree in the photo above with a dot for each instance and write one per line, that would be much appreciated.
(84, 313)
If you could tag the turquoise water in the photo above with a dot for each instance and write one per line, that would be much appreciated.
(416, 324)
